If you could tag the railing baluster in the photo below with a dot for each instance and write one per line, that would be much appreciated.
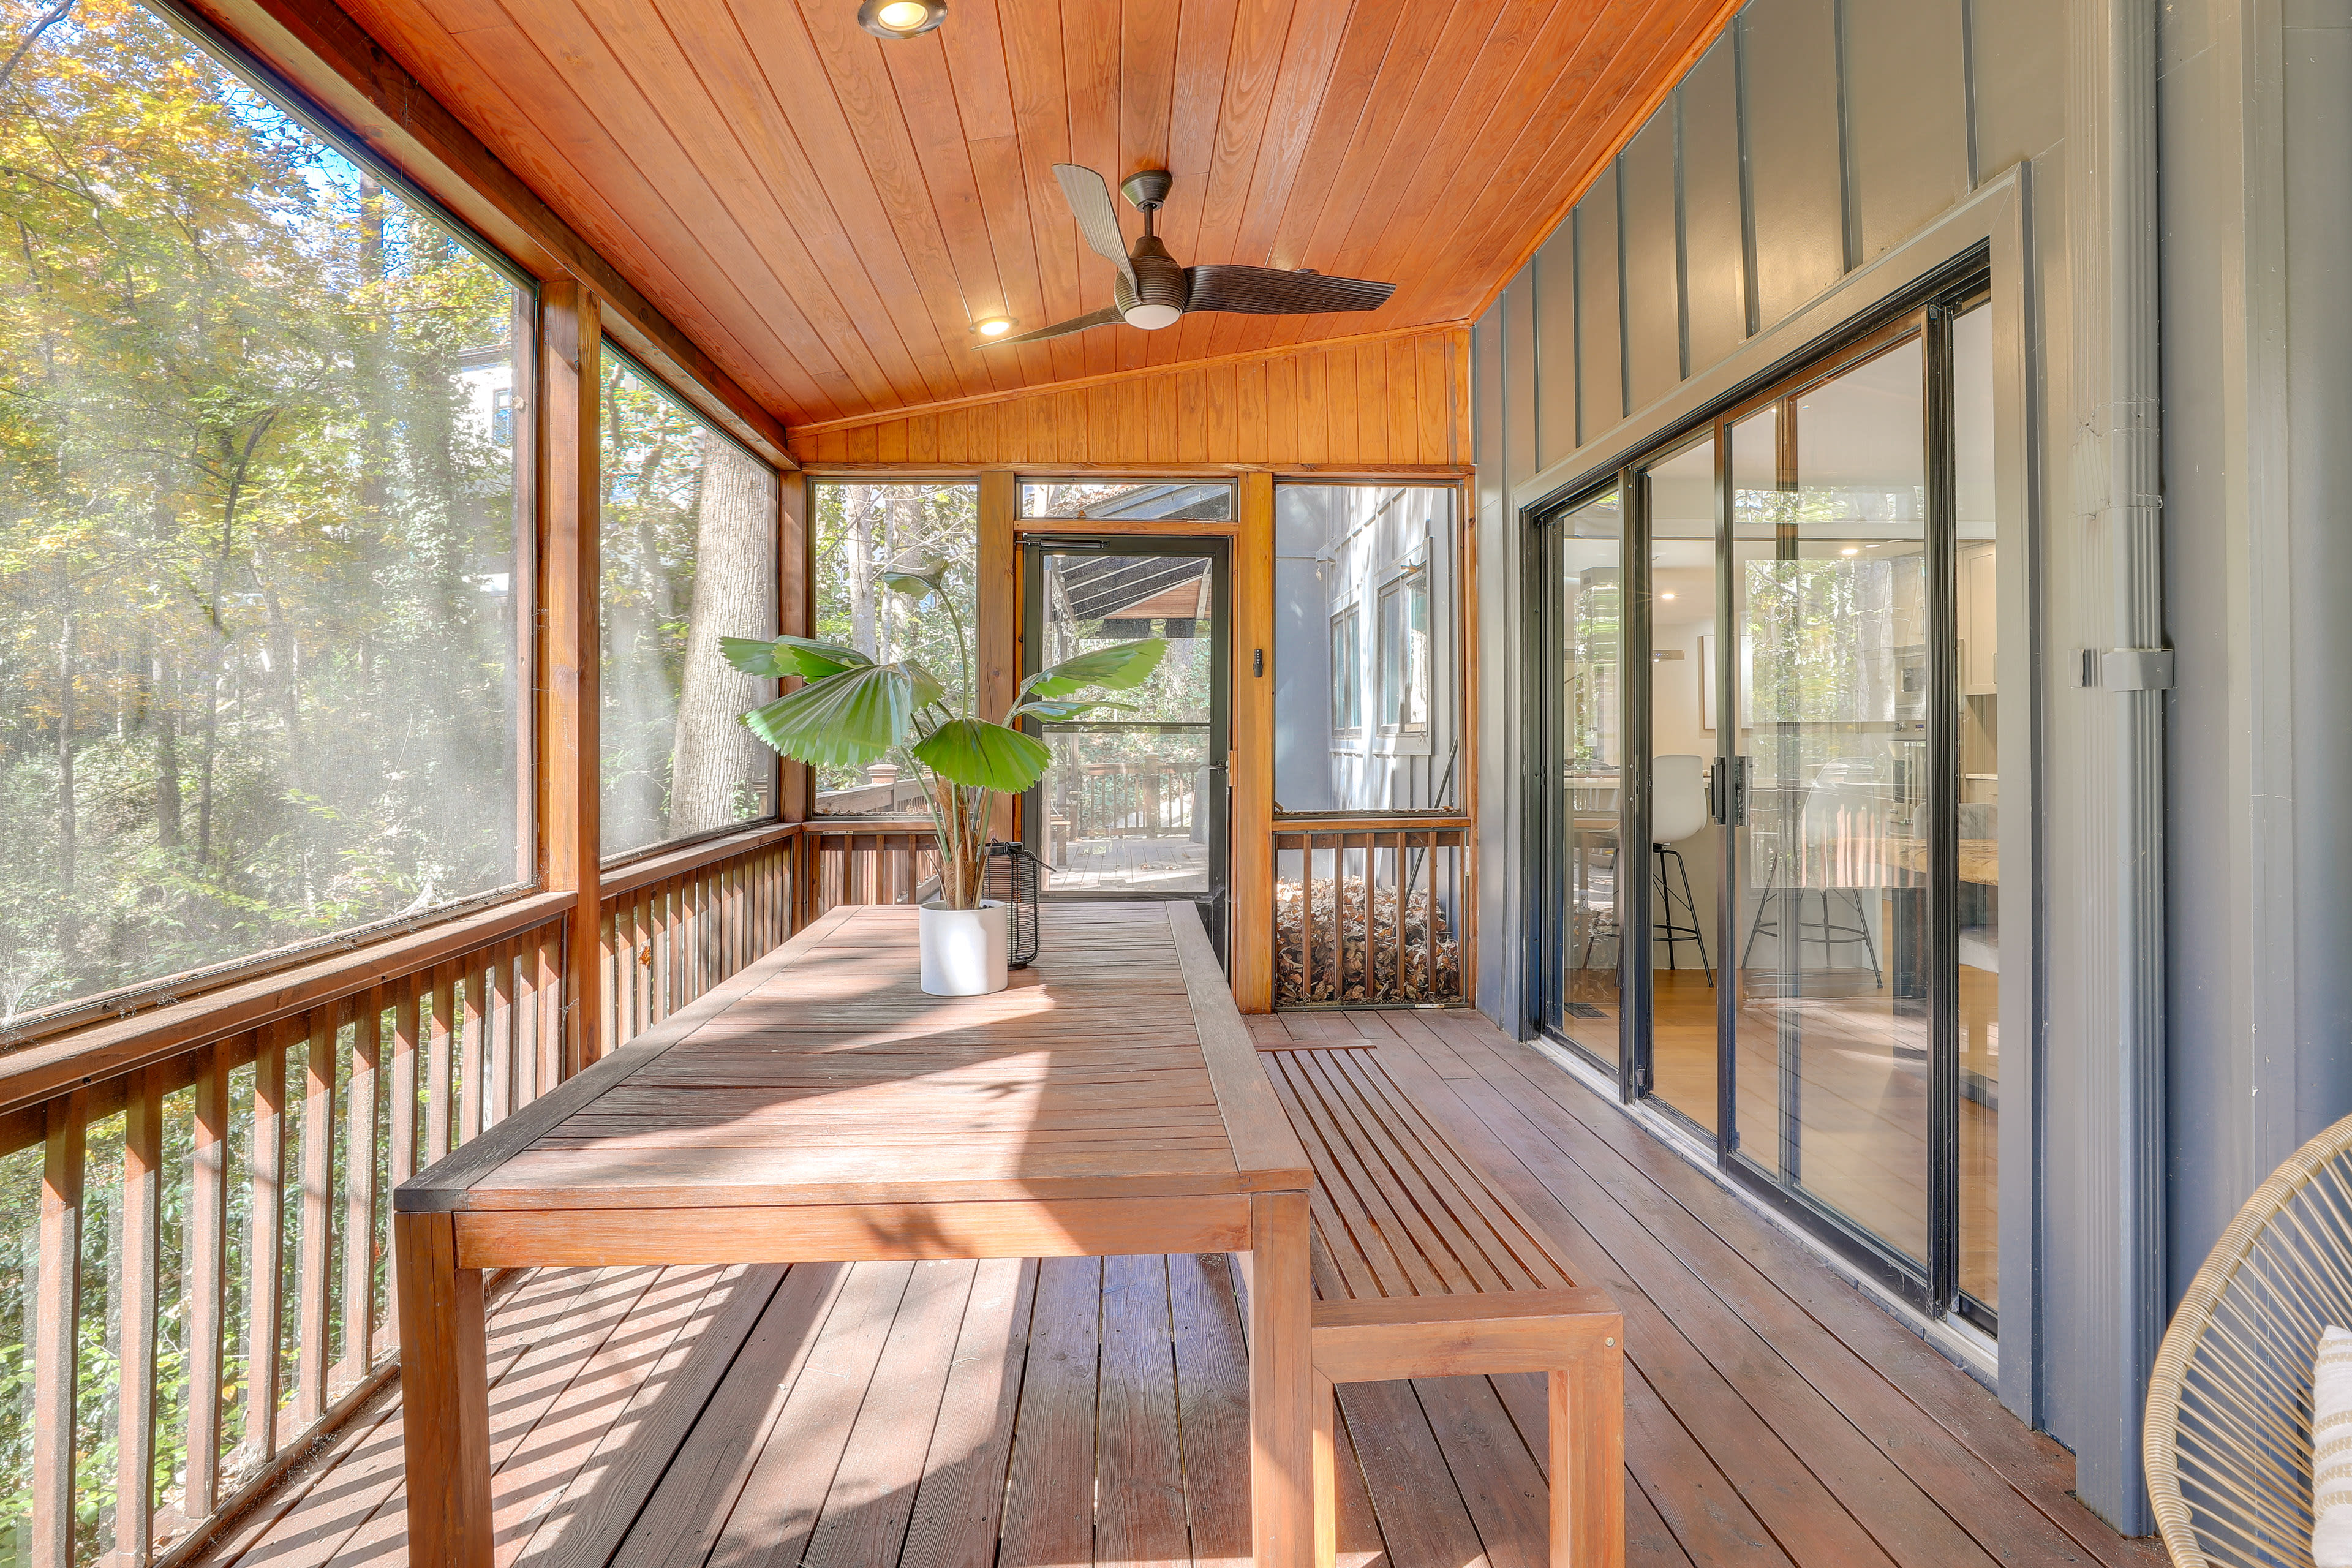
(1403, 903)
(207, 1269)
(440, 1063)
(359, 1190)
(503, 1052)
(548, 997)
(312, 1297)
(134, 1442)
(407, 1033)
(470, 1055)
(57, 1317)
(266, 1215)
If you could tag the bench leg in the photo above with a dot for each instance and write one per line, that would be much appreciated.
(1282, 1383)
(1327, 1473)
(1588, 1461)
(444, 1395)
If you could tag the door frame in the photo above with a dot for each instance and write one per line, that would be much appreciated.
(1212, 543)
(1927, 311)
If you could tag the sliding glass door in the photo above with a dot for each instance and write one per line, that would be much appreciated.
(1768, 858)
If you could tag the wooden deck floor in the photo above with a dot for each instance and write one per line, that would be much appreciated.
(1078, 1410)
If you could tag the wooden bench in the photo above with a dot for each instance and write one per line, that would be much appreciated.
(1423, 1268)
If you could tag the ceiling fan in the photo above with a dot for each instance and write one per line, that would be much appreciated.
(1152, 292)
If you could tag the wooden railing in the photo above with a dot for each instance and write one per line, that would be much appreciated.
(1372, 911)
(198, 1203)
(675, 925)
(195, 1200)
(867, 863)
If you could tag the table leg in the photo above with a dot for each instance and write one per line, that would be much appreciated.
(444, 1395)
(1282, 1383)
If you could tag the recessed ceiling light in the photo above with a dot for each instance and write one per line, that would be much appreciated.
(1849, 550)
(901, 18)
(1666, 595)
(993, 326)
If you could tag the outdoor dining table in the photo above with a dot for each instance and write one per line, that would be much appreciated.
(819, 1106)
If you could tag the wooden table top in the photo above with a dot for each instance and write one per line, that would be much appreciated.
(1116, 1067)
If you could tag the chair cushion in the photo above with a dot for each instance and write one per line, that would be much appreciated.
(2331, 1451)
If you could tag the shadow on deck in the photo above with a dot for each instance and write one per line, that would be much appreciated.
(954, 1415)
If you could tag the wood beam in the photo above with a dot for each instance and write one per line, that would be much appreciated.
(317, 54)
(998, 633)
(569, 820)
(795, 616)
(1249, 957)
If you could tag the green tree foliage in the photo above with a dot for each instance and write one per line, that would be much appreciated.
(257, 533)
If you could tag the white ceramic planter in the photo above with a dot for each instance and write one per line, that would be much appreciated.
(964, 951)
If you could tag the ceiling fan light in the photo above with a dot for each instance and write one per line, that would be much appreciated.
(1151, 317)
(901, 18)
(993, 326)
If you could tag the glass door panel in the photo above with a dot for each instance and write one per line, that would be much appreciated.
(1682, 847)
(1588, 728)
(1133, 801)
(1829, 592)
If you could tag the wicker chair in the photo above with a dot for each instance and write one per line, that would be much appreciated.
(2227, 1438)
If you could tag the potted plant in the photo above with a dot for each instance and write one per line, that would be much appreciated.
(853, 712)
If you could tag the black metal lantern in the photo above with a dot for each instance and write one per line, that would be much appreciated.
(1013, 879)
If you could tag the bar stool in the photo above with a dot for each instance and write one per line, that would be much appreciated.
(1677, 810)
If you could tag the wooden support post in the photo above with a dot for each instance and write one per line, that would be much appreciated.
(1250, 920)
(57, 1317)
(795, 616)
(444, 1395)
(1327, 1473)
(1282, 1383)
(1588, 1459)
(997, 637)
(568, 823)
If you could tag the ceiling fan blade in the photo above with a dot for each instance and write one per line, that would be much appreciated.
(1106, 316)
(1089, 200)
(1269, 291)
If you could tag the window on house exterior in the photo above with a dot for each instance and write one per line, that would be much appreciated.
(1347, 671)
(262, 671)
(1366, 660)
(860, 531)
(689, 556)
(1405, 655)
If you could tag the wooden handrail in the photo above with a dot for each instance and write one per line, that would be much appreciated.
(52, 1067)
(630, 876)
(1372, 822)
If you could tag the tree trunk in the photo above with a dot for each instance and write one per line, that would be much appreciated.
(859, 548)
(734, 595)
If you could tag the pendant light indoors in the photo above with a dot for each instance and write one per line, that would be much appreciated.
(901, 18)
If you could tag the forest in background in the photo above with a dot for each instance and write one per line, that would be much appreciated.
(257, 640)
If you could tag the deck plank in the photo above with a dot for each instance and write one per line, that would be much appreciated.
(960, 1505)
(1049, 1514)
(1139, 1472)
(783, 1496)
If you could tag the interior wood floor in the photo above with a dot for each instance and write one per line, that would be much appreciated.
(1077, 1411)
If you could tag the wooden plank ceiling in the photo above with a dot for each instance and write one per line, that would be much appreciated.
(826, 212)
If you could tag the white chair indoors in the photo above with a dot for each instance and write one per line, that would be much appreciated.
(1677, 809)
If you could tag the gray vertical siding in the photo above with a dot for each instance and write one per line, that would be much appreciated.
(1653, 337)
(1906, 117)
(1599, 374)
(1714, 251)
(1790, 57)
(1818, 135)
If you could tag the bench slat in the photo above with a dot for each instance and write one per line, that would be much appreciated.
(1399, 1211)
